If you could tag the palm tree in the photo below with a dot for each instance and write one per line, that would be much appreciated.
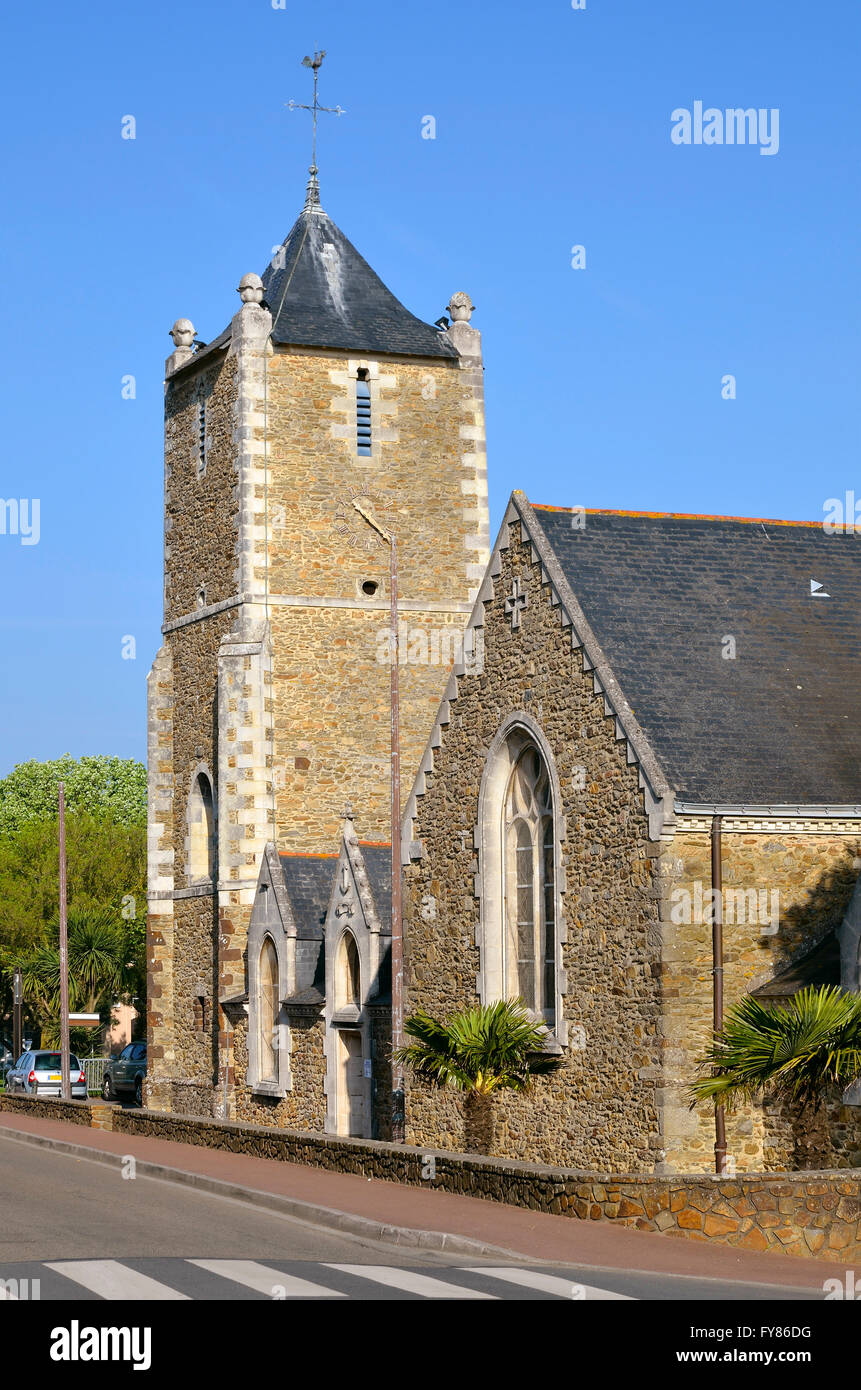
(487, 1048)
(795, 1053)
(97, 969)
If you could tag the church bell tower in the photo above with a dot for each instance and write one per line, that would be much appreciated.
(323, 403)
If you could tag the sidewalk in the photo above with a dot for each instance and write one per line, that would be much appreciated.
(529, 1235)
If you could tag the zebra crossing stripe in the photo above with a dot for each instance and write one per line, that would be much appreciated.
(409, 1282)
(114, 1281)
(547, 1283)
(264, 1280)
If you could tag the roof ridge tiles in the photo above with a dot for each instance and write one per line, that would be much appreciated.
(675, 516)
(304, 854)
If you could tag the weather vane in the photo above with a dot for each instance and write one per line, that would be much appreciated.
(315, 64)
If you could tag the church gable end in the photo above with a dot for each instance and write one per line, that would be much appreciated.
(536, 683)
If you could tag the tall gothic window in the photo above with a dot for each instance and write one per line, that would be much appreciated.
(201, 830)
(267, 1012)
(529, 936)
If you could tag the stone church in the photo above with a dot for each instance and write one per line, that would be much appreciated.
(652, 688)
(587, 714)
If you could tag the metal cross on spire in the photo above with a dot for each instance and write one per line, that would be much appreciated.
(315, 63)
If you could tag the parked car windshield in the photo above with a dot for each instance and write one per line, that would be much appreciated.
(52, 1061)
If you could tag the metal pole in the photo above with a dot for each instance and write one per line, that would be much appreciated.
(717, 959)
(398, 1106)
(66, 1086)
(17, 1014)
(398, 1115)
(226, 1115)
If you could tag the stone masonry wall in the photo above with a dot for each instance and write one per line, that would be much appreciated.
(812, 875)
(200, 539)
(305, 1103)
(599, 1109)
(200, 510)
(426, 481)
(330, 677)
(828, 1137)
(269, 521)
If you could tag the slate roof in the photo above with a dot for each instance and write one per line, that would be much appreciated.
(378, 862)
(322, 293)
(308, 880)
(778, 725)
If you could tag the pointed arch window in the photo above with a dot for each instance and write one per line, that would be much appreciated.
(201, 830)
(267, 1012)
(529, 911)
(348, 978)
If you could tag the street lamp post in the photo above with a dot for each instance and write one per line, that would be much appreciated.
(17, 1014)
(398, 1099)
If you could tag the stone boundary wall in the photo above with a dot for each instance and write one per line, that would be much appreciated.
(95, 1114)
(74, 1112)
(807, 1213)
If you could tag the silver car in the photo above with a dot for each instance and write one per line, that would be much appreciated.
(38, 1073)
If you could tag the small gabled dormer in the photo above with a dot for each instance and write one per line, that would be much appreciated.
(358, 986)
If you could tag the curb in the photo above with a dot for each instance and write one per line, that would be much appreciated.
(407, 1237)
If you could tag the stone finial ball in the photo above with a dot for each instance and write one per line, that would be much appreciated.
(460, 307)
(251, 289)
(182, 333)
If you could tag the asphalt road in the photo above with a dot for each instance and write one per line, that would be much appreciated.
(83, 1230)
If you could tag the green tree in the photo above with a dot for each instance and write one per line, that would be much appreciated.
(105, 854)
(97, 784)
(99, 970)
(795, 1054)
(487, 1048)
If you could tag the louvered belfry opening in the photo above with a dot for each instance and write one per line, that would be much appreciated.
(363, 414)
(201, 435)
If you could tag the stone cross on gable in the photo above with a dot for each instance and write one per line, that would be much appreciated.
(515, 603)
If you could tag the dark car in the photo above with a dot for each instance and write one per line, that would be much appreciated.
(124, 1075)
(39, 1074)
(7, 1056)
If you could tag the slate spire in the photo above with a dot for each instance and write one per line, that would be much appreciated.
(322, 293)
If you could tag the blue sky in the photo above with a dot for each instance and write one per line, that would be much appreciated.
(604, 385)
